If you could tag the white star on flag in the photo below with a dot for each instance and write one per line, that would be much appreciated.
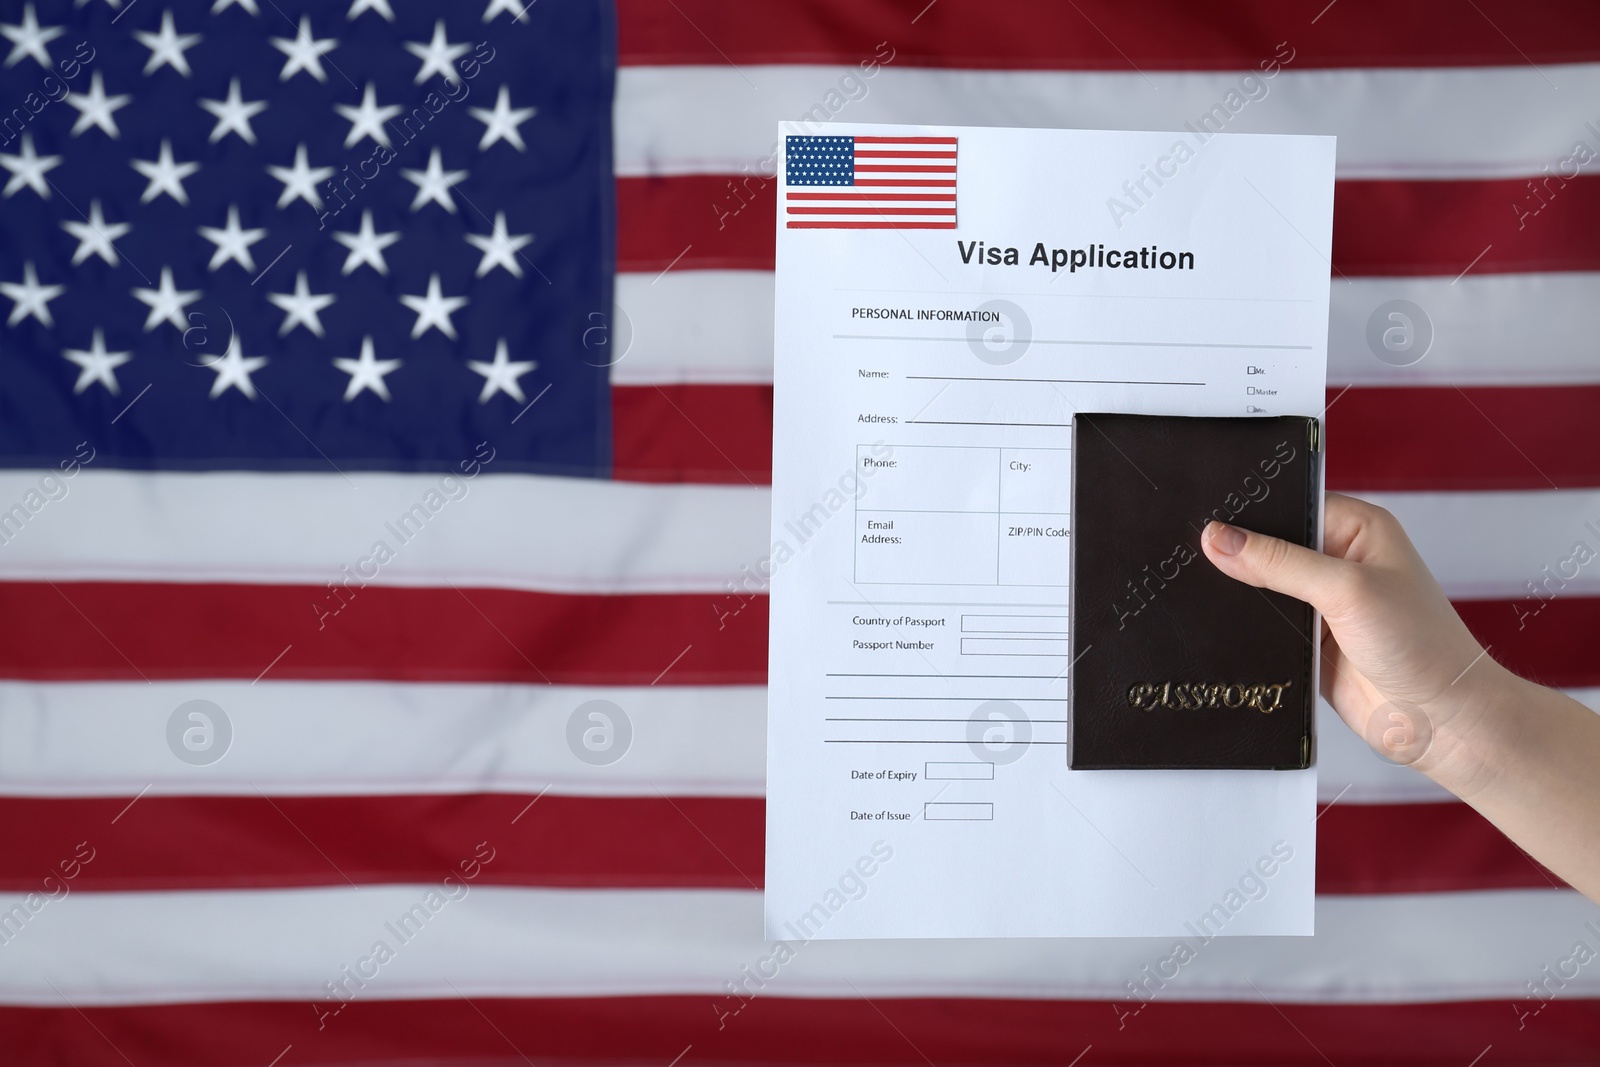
(233, 370)
(234, 114)
(29, 39)
(366, 246)
(166, 303)
(434, 309)
(433, 185)
(166, 175)
(95, 108)
(368, 119)
(366, 372)
(167, 47)
(301, 307)
(304, 52)
(499, 248)
(300, 181)
(500, 124)
(437, 55)
(501, 375)
(379, 6)
(97, 365)
(233, 242)
(95, 236)
(28, 168)
(29, 298)
(517, 8)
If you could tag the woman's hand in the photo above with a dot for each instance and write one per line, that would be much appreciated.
(1398, 664)
(1403, 671)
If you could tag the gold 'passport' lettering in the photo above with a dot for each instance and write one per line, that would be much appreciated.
(1192, 696)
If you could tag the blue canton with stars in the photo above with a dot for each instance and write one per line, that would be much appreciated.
(820, 160)
(278, 235)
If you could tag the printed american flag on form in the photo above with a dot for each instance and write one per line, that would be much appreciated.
(183, 900)
(870, 183)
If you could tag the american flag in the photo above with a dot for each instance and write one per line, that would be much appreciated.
(243, 244)
(869, 183)
(471, 664)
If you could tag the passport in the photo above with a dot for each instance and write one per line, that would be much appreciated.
(1174, 665)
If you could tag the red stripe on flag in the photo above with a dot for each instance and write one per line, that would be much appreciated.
(1418, 848)
(227, 842)
(1550, 640)
(903, 168)
(146, 630)
(1380, 228)
(1237, 36)
(1501, 437)
(131, 630)
(1380, 439)
(904, 155)
(1445, 227)
(766, 1028)
(711, 221)
(692, 433)
(872, 211)
(905, 140)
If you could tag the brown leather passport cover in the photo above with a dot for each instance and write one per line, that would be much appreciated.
(1174, 664)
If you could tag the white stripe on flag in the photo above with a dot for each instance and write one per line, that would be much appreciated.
(435, 738)
(583, 535)
(700, 326)
(687, 741)
(169, 947)
(715, 326)
(1391, 123)
(511, 531)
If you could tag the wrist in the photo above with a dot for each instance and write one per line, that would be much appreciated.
(1474, 725)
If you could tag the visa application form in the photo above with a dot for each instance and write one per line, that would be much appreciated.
(946, 299)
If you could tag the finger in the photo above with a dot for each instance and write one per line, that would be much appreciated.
(1343, 518)
(1272, 563)
(1332, 664)
(1362, 532)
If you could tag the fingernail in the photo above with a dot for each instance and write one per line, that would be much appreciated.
(1228, 540)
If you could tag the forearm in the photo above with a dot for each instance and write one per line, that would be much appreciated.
(1528, 759)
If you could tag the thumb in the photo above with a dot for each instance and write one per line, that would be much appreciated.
(1272, 563)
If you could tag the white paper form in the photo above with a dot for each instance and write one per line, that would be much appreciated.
(926, 377)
